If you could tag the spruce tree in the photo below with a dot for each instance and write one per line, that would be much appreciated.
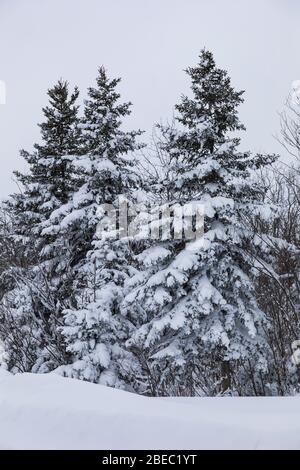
(193, 303)
(93, 327)
(41, 281)
(50, 178)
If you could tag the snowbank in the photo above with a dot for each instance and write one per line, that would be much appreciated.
(50, 412)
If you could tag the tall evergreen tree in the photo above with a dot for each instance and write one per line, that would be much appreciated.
(93, 326)
(197, 321)
(46, 186)
(51, 177)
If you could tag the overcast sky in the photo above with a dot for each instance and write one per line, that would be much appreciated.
(148, 43)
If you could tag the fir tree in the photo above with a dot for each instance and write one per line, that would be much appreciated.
(46, 186)
(193, 304)
(51, 177)
(93, 326)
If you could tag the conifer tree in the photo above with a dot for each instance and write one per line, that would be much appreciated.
(50, 178)
(37, 288)
(193, 304)
(93, 325)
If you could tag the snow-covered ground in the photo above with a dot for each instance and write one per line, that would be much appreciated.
(50, 412)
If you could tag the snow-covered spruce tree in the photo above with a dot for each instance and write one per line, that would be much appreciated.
(198, 326)
(37, 285)
(93, 328)
(50, 178)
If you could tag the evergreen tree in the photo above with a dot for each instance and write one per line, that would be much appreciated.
(193, 304)
(93, 325)
(51, 177)
(40, 282)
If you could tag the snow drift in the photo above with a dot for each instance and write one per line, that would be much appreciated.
(50, 412)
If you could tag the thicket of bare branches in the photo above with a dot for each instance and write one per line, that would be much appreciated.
(278, 286)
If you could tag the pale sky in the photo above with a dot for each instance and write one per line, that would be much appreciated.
(148, 43)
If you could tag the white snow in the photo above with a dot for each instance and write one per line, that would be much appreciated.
(51, 412)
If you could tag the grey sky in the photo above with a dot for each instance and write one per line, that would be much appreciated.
(148, 43)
